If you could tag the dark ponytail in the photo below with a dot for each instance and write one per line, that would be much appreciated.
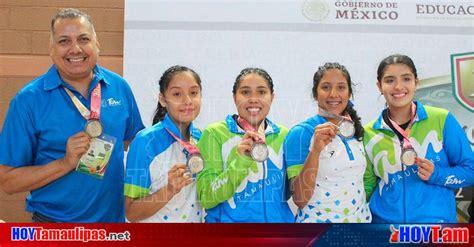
(164, 82)
(359, 129)
(160, 113)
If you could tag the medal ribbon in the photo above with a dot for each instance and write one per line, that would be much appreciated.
(327, 114)
(406, 141)
(192, 149)
(247, 127)
(94, 113)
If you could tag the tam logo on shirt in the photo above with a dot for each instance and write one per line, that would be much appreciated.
(218, 184)
(113, 102)
(453, 180)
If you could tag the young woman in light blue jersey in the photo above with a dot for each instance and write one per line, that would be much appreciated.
(244, 179)
(325, 156)
(418, 155)
(159, 185)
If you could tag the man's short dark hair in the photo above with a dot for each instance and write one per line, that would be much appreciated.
(71, 13)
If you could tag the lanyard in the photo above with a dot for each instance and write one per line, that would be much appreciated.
(190, 147)
(406, 141)
(327, 114)
(247, 127)
(94, 113)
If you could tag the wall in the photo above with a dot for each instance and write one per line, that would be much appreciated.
(24, 40)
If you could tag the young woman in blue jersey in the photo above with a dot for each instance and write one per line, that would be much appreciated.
(158, 184)
(326, 168)
(233, 187)
(418, 155)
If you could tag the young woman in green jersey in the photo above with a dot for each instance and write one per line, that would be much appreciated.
(417, 154)
(244, 179)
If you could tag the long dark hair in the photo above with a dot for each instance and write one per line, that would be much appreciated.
(252, 70)
(359, 130)
(164, 82)
(395, 59)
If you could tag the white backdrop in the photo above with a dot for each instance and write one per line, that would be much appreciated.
(219, 38)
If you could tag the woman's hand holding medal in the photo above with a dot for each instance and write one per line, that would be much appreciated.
(248, 140)
(425, 168)
(322, 136)
(77, 145)
(178, 178)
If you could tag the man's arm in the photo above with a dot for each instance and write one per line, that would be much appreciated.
(29, 177)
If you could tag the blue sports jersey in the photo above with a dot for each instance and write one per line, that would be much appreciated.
(152, 154)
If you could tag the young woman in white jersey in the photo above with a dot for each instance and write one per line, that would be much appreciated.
(161, 165)
(325, 155)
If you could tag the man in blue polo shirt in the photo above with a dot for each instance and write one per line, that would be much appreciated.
(63, 137)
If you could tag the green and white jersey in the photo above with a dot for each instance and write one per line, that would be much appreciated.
(397, 194)
(235, 188)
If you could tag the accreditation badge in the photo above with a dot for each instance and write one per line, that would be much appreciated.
(259, 152)
(95, 161)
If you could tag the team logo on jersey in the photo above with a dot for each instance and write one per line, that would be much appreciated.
(462, 73)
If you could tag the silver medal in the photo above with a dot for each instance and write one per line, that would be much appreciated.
(195, 163)
(346, 129)
(259, 152)
(408, 156)
(94, 128)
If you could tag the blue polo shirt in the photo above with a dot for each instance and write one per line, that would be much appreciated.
(39, 121)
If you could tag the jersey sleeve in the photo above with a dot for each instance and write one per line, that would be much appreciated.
(134, 120)
(370, 179)
(296, 149)
(18, 140)
(460, 172)
(137, 171)
(215, 183)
